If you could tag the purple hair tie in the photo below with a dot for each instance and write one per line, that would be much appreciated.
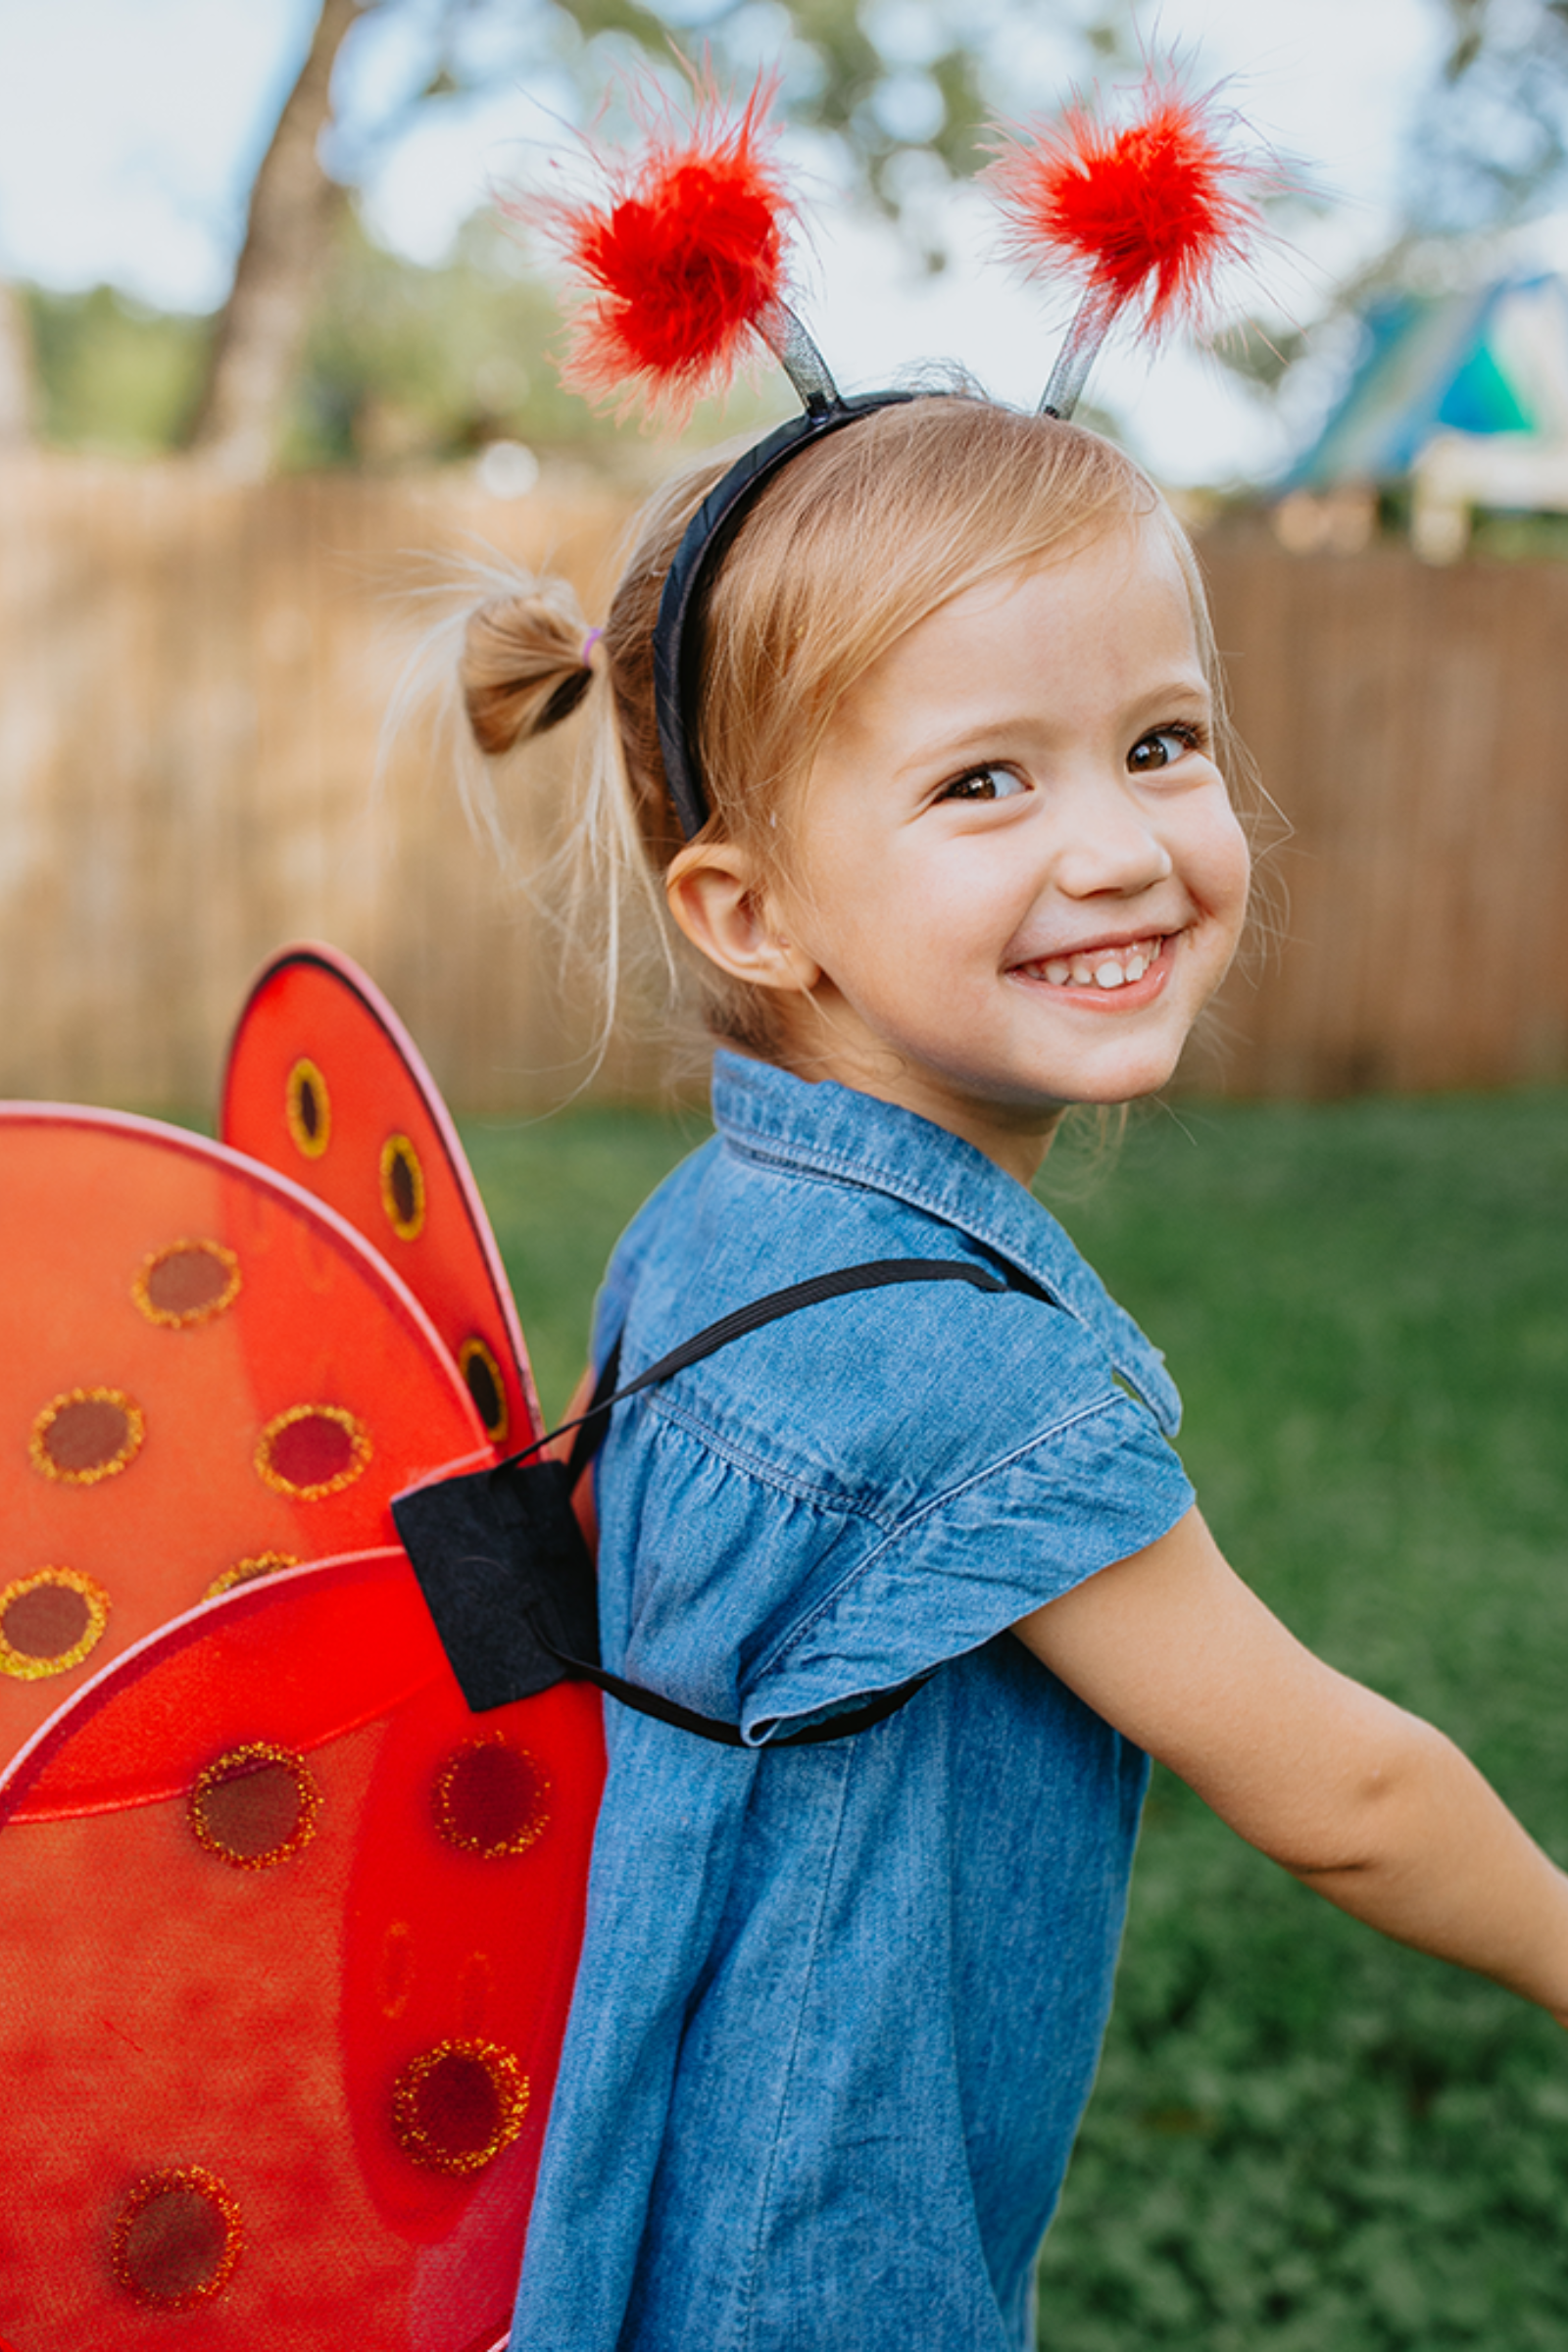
(588, 644)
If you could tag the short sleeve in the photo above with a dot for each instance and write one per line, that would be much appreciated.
(1088, 1492)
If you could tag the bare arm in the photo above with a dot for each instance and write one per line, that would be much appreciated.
(1367, 1805)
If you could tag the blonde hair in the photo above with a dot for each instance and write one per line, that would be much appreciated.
(856, 540)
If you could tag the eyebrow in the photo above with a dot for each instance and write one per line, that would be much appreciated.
(983, 736)
(1191, 686)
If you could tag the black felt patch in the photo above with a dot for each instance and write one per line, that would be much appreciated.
(507, 1577)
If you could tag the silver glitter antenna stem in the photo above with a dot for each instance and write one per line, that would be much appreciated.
(796, 353)
(1090, 324)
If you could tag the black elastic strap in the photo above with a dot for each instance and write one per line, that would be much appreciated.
(875, 1274)
(713, 1727)
(591, 1426)
(502, 1562)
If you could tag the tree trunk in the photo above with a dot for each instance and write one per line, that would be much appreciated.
(293, 208)
(16, 371)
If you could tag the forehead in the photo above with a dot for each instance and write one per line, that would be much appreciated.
(1100, 624)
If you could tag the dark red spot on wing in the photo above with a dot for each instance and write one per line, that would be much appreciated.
(313, 1449)
(176, 2239)
(48, 1619)
(307, 1108)
(490, 1799)
(455, 2108)
(189, 1282)
(86, 1435)
(254, 1806)
(49, 1622)
(482, 1374)
(402, 1187)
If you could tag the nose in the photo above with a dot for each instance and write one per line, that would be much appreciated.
(1108, 842)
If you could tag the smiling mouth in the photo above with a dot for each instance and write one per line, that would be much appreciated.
(1106, 968)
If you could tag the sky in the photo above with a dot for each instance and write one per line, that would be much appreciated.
(129, 130)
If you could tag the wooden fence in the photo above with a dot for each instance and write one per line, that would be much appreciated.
(192, 680)
(192, 684)
(1412, 724)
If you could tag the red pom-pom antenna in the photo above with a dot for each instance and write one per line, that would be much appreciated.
(1142, 217)
(683, 255)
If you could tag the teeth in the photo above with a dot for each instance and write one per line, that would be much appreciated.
(1112, 967)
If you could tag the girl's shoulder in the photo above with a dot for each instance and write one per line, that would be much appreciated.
(802, 1180)
(649, 1237)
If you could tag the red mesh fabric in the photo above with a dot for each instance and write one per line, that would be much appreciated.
(325, 1084)
(289, 2086)
(286, 1935)
(143, 1458)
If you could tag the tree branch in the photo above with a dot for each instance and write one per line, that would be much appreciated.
(294, 204)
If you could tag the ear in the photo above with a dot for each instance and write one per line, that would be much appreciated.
(715, 899)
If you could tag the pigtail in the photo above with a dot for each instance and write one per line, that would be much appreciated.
(526, 664)
(589, 855)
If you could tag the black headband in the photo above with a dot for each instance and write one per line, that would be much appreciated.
(678, 635)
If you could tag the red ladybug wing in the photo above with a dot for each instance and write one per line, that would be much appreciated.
(350, 1644)
(280, 2021)
(325, 1083)
(205, 1375)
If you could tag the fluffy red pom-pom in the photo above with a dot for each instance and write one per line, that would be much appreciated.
(1147, 211)
(682, 257)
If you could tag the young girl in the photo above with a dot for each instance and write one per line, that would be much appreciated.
(968, 857)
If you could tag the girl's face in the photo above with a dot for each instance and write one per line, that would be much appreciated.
(1016, 877)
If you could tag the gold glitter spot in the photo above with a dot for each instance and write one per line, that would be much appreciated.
(458, 2105)
(485, 1386)
(254, 1805)
(245, 1572)
(490, 1799)
(176, 2239)
(86, 1435)
(312, 1451)
(308, 1108)
(49, 1622)
(186, 1282)
(401, 1188)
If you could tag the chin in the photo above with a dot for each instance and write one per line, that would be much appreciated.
(1123, 1079)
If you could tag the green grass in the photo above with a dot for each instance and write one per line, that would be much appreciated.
(1303, 2138)
(559, 1191)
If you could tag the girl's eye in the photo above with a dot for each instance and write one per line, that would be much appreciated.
(983, 783)
(1162, 747)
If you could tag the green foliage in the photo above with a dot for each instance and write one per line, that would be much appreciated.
(403, 366)
(407, 362)
(559, 1191)
(886, 82)
(1304, 2136)
(409, 365)
(114, 376)
(1304, 2139)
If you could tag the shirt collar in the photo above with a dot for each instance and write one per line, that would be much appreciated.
(833, 1131)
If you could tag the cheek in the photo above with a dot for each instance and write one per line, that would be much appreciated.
(1219, 868)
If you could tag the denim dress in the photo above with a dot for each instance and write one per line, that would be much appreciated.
(840, 2006)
